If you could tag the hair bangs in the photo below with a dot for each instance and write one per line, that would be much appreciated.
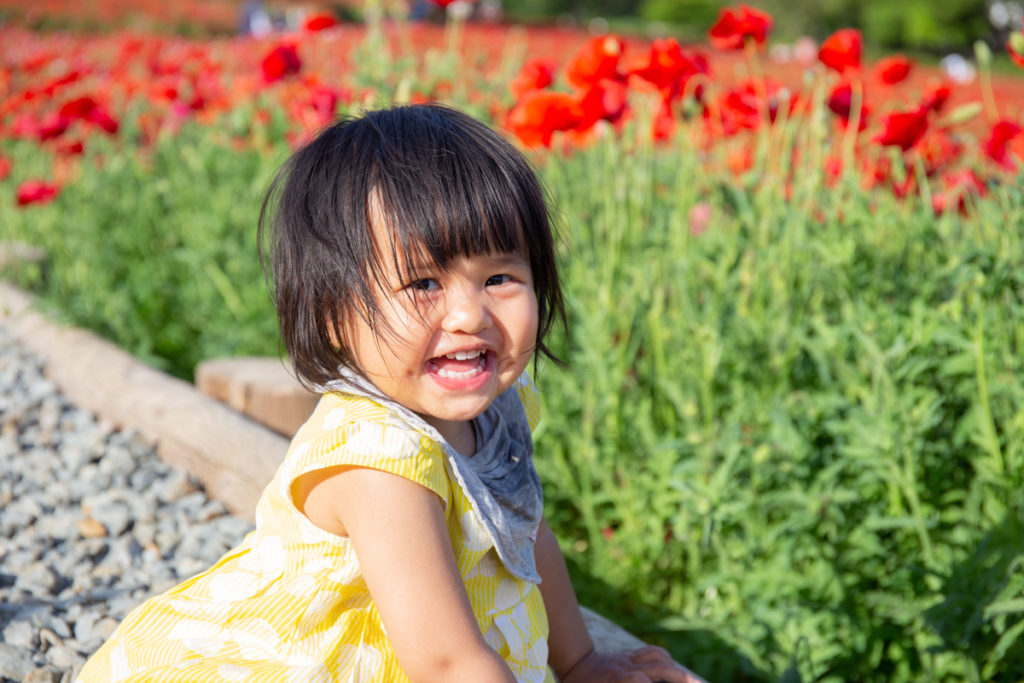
(447, 199)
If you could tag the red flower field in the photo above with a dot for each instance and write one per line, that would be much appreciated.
(61, 89)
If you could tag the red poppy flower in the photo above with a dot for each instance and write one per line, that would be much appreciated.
(892, 70)
(735, 26)
(841, 51)
(323, 100)
(70, 147)
(939, 150)
(740, 159)
(53, 125)
(540, 113)
(35, 192)
(445, 3)
(313, 104)
(958, 189)
(99, 116)
(536, 74)
(903, 128)
(79, 108)
(280, 62)
(1005, 140)
(52, 86)
(935, 95)
(667, 67)
(833, 170)
(5, 167)
(740, 109)
(840, 102)
(604, 101)
(318, 22)
(664, 125)
(24, 127)
(1015, 48)
(840, 99)
(596, 60)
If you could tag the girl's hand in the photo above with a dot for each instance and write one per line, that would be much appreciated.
(646, 665)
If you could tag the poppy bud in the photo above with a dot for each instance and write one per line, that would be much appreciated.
(982, 53)
(963, 114)
(1016, 42)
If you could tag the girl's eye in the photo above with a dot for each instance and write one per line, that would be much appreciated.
(423, 285)
(495, 280)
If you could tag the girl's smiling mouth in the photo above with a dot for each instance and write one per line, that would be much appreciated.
(462, 370)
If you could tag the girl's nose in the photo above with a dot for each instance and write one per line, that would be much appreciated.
(466, 311)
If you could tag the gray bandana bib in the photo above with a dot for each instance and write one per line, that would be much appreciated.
(499, 479)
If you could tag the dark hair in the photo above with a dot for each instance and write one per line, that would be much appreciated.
(448, 185)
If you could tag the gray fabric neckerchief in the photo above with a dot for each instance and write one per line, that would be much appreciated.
(499, 479)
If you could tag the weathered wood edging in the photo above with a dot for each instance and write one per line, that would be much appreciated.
(232, 456)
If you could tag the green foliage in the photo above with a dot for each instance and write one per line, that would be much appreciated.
(700, 13)
(158, 251)
(797, 434)
(926, 25)
(950, 25)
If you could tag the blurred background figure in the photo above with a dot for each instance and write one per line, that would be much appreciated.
(480, 10)
(254, 20)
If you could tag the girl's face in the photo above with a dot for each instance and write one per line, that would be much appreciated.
(450, 340)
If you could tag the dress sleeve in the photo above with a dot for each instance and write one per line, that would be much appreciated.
(376, 443)
(530, 397)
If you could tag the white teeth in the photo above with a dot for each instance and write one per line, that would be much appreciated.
(464, 355)
(450, 374)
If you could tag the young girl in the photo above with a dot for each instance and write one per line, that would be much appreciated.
(402, 538)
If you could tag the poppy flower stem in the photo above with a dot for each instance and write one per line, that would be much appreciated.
(455, 22)
(758, 79)
(922, 182)
(983, 55)
(853, 125)
(373, 16)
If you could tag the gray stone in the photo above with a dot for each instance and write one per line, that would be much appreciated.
(38, 577)
(71, 674)
(63, 657)
(48, 638)
(144, 532)
(84, 626)
(19, 633)
(113, 515)
(176, 485)
(60, 524)
(47, 674)
(14, 662)
(51, 623)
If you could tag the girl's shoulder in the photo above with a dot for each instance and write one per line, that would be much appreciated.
(349, 430)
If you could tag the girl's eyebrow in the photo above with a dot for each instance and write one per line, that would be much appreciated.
(418, 266)
(509, 258)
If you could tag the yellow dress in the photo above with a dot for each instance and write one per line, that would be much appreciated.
(290, 603)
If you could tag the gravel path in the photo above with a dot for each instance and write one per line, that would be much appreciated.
(91, 523)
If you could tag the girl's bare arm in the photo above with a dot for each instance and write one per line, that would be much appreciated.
(569, 642)
(398, 532)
